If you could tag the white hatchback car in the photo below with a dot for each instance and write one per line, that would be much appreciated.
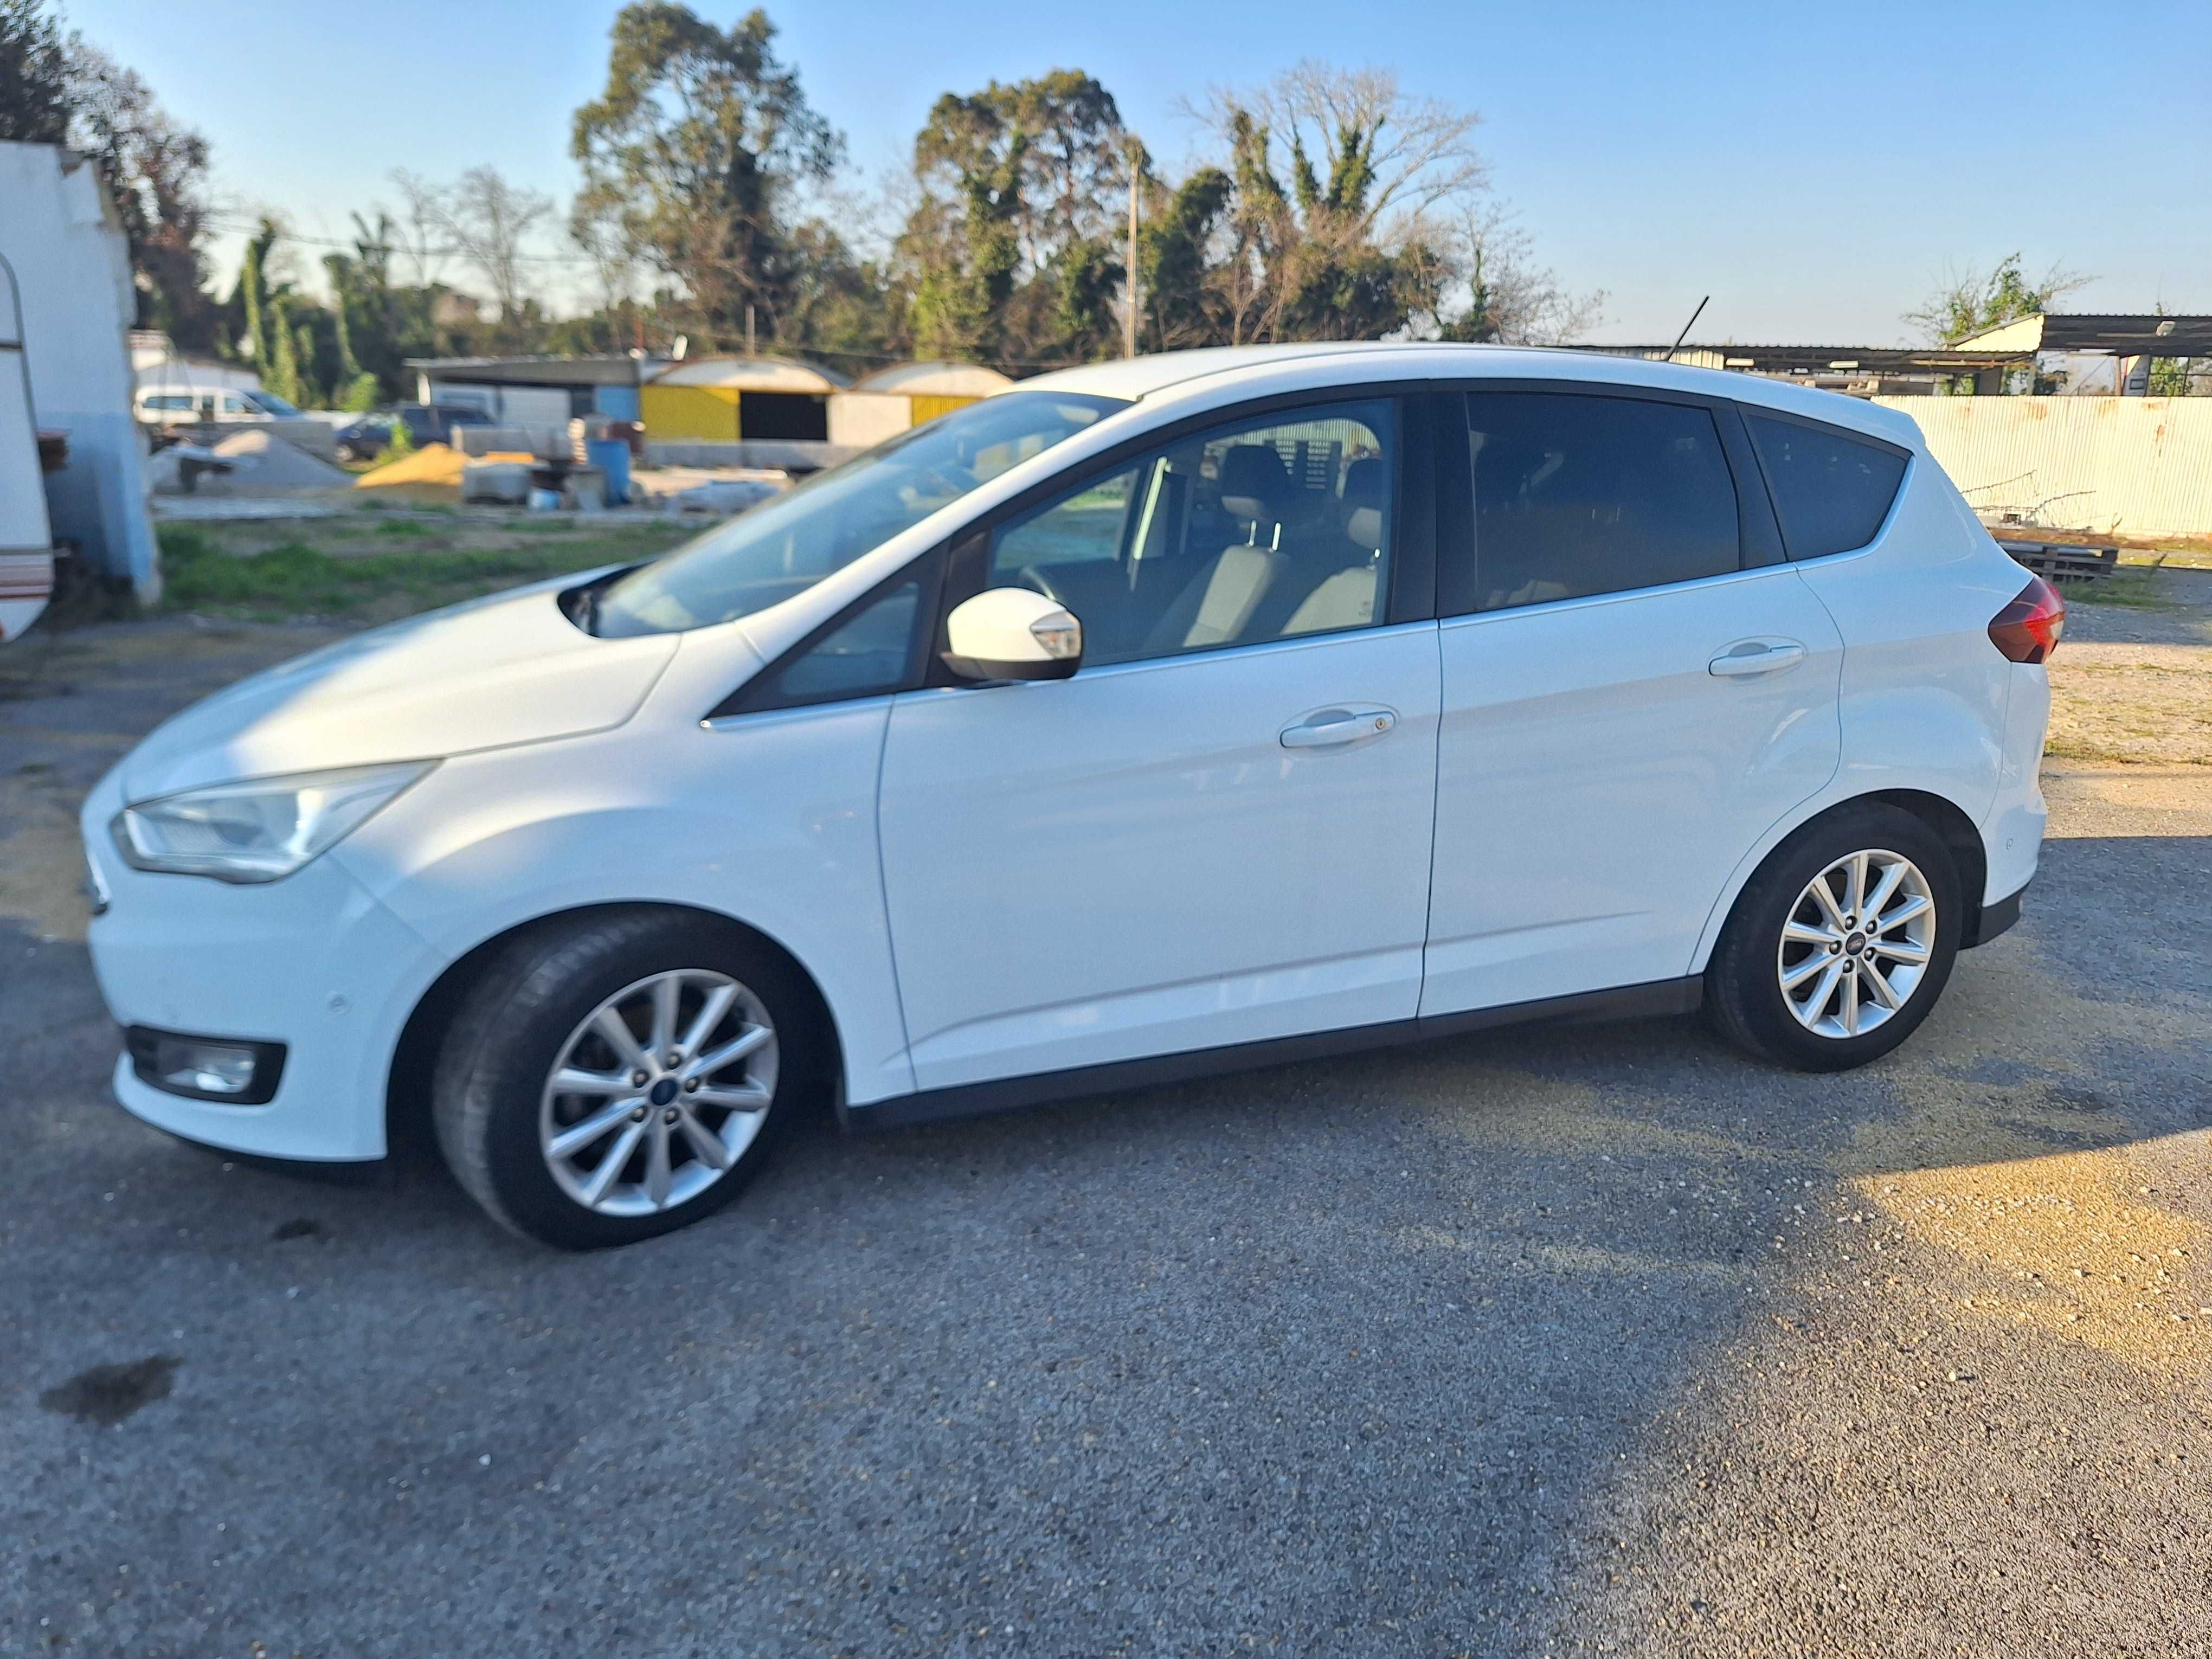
(1152, 719)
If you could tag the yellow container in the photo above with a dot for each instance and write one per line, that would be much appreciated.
(703, 414)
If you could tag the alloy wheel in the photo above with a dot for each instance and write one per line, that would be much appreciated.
(1856, 944)
(658, 1092)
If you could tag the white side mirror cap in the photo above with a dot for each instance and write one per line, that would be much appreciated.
(1012, 633)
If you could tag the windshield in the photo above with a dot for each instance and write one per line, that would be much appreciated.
(269, 403)
(786, 544)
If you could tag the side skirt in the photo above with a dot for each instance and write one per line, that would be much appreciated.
(1659, 999)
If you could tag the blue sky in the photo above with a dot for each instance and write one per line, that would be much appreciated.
(1817, 169)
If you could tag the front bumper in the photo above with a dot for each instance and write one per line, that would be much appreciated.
(312, 961)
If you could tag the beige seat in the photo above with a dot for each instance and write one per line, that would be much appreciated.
(1216, 605)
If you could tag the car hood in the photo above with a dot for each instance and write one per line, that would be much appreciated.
(507, 670)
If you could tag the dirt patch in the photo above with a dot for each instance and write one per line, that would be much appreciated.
(2139, 705)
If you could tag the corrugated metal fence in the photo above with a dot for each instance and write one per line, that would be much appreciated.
(2131, 465)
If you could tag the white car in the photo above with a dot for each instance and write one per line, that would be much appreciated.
(1152, 719)
(170, 405)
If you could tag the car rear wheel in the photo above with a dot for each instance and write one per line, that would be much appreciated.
(621, 1076)
(1840, 944)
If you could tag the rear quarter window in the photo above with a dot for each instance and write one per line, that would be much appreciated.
(1831, 490)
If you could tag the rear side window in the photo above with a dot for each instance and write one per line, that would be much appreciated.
(1576, 494)
(1832, 491)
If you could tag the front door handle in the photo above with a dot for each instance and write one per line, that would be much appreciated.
(1749, 657)
(1332, 728)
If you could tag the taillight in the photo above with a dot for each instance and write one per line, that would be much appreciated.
(2027, 629)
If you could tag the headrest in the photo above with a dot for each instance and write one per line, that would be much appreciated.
(1254, 484)
(1366, 487)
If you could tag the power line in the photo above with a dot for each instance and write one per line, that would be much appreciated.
(223, 221)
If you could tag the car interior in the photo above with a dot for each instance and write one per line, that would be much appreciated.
(1266, 532)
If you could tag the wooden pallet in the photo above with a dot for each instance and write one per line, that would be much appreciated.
(2063, 561)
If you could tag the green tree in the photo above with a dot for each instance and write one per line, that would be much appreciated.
(155, 172)
(251, 298)
(1348, 249)
(1012, 242)
(280, 373)
(697, 151)
(35, 102)
(1974, 302)
(1182, 302)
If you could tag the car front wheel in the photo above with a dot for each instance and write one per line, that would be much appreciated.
(1840, 944)
(618, 1076)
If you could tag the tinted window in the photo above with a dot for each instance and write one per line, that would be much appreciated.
(1262, 531)
(1832, 492)
(1576, 495)
(867, 654)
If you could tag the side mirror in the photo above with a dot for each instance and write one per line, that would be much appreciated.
(1012, 633)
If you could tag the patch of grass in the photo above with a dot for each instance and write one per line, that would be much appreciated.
(2134, 587)
(295, 579)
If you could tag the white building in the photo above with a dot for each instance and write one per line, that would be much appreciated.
(60, 237)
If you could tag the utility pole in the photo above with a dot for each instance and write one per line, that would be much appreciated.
(1136, 183)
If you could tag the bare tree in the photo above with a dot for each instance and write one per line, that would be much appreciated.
(1511, 298)
(487, 221)
(421, 208)
(597, 234)
(1409, 156)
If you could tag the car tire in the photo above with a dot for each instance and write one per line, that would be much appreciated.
(1813, 985)
(540, 1006)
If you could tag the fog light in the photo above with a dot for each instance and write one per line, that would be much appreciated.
(231, 1070)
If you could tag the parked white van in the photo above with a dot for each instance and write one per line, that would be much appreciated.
(1148, 720)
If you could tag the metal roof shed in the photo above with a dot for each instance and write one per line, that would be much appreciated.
(891, 400)
(730, 399)
(537, 391)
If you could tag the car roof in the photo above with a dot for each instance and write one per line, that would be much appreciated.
(1261, 369)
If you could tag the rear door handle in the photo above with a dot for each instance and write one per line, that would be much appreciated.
(1332, 728)
(1749, 657)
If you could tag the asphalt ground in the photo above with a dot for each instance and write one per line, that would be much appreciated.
(1602, 1339)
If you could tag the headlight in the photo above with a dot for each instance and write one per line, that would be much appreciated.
(260, 829)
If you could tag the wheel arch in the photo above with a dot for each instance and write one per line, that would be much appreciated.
(407, 1125)
(1944, 817)
(1969, 857)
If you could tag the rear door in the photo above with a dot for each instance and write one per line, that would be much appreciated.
(1636, 688)
(1218, 831)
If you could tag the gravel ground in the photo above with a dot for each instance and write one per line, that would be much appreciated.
(1602, 1341)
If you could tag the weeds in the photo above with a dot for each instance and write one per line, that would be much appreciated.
(2134, 587)
(295, 579)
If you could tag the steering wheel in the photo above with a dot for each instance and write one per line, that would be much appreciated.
(1034, 579)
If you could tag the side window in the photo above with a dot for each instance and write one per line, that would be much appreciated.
(1576, 494)
(1832, 491)
(1262, 531)
(868, 654)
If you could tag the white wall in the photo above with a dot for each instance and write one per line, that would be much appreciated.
(2139, 466)
(73, 271)
(862, 418)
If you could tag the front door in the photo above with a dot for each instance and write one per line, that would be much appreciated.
(1631, 698)
(1216, 832)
